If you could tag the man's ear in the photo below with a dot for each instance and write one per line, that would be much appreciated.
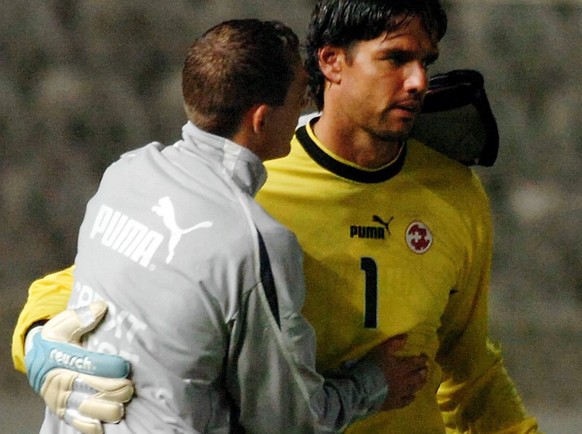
(252, 126)
(331, 60)
(258, 116)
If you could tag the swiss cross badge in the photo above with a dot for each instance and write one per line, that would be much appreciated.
(418, 237)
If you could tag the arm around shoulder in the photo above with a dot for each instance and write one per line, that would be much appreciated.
(277, 364)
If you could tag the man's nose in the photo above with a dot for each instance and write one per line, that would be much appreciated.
(416, 80)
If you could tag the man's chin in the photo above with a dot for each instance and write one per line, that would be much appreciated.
(394, 136)
(398, 131)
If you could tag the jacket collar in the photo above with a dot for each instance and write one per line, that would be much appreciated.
(241, 164)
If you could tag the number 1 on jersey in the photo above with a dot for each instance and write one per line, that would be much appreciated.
(368, 266)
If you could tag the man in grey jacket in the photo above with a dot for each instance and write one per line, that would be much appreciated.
(204, 288)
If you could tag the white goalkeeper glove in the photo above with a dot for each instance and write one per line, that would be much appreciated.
(82, 387)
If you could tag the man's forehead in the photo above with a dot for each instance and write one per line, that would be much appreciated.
(414, 24)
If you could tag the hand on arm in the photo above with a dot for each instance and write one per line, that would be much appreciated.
(405, 375)
(82, 387)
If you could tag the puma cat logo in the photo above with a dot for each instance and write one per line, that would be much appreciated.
(165, 209)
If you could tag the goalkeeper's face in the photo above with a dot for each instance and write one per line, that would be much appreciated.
(381, 83)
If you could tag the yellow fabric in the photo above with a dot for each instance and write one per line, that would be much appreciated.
(46, 298)
(340, 224)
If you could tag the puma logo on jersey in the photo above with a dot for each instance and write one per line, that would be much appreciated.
(371, 232)
(377, 219)
(165, 209)
(125, 235)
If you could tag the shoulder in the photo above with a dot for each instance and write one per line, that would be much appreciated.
(455, 181)
(135, 158)
(150, 148)
(273, 231)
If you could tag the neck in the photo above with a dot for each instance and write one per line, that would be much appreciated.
(354, 144)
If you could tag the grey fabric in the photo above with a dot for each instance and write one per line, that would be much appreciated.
(170, 241)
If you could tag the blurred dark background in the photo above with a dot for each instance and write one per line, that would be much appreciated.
(82, 82)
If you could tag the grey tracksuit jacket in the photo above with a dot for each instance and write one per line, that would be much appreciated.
(205, 292)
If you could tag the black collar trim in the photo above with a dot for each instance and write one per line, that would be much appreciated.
(345, 170)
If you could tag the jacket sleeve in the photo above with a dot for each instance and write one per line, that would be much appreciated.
(477, 394)
(275, 360)
(47, 297)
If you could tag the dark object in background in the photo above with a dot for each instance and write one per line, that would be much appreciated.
(457, 120)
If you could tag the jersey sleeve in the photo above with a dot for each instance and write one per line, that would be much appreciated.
(272, 355)
(47, 297)
(292, 393)
(477, 394)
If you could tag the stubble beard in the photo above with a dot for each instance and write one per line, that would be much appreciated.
(392, 136)
(395, 135)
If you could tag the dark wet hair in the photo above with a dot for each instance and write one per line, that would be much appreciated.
(341, 23)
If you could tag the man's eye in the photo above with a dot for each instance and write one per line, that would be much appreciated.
(397, 59)
(429, 61)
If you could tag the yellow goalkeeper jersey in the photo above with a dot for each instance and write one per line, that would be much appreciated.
(402, 249)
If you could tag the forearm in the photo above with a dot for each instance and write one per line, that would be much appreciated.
(46, 298)
(350, 394)
(487, 404)
(293, 393)
(478, 395)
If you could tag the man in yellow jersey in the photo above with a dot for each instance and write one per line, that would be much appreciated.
(397, 237)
